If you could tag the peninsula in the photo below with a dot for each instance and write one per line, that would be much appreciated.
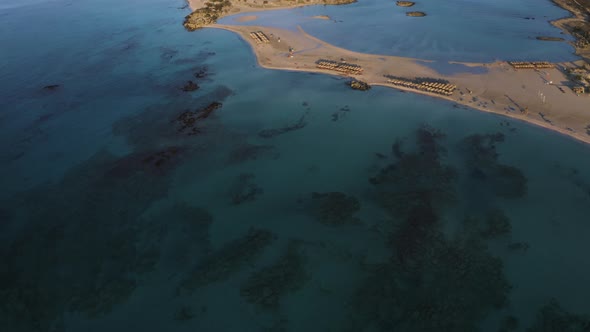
(553, 96)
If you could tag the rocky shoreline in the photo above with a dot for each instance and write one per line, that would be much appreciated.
(577, 26)
(216, 9)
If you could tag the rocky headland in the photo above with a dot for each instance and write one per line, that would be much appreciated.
(209, 11)
(405, 3)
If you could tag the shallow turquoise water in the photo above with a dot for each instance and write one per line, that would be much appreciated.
(457, 30)
(113, 218)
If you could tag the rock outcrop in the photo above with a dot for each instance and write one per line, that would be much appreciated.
(359, 85)
(405, 3)
(416, 14)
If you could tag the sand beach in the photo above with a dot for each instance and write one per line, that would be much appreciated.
(502, 89)
(539, 96)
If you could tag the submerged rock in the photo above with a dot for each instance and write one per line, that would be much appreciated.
(202, 73)
(451, 285)
(509, 182)
(268, 285)
(52, 87)
(184, 313)
(190, 86)
(189, 119)
(546, 38)
(415, 178)
(247, 152)
(84, 249)
(509, 323)
(497, 224)
(227, 260)
(269, 133)
(335, 208)
(518, 246)
(552, 318)
(152, 163)
(243, 190)
(481, 157)
(434, 279)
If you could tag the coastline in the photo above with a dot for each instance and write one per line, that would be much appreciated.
(500, 90)
(561, 23)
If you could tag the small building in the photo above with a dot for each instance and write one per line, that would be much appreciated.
(578, 89)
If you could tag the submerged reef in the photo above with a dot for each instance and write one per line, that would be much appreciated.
(268, 285)
(497, 224)
(509, 323)
(269, 133)
(153, 162)
(243, 190)
(176, 123)
(450, 285)
(247, 152)
(184, 313)
(481, 158)
(415, 179)
(553, 318)
(432, 280)
(335, 208)
(203, 72)
(187, 229)
(227, 260)
(188, 120)
(340, 113)
(190, 86)
(82, 245)
(52, 87)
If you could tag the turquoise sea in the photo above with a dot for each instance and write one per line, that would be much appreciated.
(277, 201)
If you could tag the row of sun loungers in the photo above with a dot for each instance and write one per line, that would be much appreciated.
(530, 65)
(339, 66)
(259, 37)
(439, 88)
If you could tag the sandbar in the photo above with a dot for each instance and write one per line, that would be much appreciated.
(536, 96)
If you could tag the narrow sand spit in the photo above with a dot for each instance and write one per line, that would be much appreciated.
(536, 96)
(524, 94)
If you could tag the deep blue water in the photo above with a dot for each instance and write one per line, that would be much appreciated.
(114, 216)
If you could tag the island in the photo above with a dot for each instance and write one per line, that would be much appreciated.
(416, 14)
(551, 95)
(405, 3)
